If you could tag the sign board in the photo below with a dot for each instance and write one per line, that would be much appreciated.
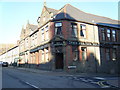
(82, 43)
(71, 67)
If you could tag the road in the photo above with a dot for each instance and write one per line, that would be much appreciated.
(15, 78)
(18, 78)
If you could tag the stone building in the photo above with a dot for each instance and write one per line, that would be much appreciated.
(72, 40)
(25, 43)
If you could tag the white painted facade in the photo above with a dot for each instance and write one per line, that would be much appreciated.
(11, 55)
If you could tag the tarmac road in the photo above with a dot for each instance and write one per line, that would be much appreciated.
(34, 79)
(16, 78)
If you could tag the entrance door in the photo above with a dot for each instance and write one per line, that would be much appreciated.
(59, 61)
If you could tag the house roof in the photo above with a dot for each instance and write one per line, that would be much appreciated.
(54, 11)
(33, 27)
(24, 30)
(109, 25)
(72, 13)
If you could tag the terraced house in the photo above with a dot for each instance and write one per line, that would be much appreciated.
(26, 43)
(11, 55)
(71, 40)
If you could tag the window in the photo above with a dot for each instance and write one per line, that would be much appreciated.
(35, 38)
(46, 27)
(74, 29)
(114, 35)
(103, 34)
(47, 35)
(42, 33)
(75, 53)
(42, 56)
(58, 28)
(47, 58)
(84, 53)
(83, 31)
(32, 40)
(31, 31)
(114, 55)
(27, 43)
(108, 34)
(107, 54)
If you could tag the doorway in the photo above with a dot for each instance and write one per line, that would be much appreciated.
(59, 61)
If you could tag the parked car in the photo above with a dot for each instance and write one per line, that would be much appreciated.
(5, 64)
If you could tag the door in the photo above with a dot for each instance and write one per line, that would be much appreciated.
(59, 61)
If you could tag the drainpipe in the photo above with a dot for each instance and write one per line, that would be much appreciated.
(94, 47)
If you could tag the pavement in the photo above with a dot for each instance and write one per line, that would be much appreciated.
(103, 80)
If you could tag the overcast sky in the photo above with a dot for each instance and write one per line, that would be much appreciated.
(13, 15)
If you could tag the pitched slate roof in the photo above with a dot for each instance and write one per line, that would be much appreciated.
(72, 13)
(110, 25)
(33, 27)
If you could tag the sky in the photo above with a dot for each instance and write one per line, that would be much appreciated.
(15, 14)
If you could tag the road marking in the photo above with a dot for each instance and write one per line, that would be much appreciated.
(103, 85)
(33, 85)
(77, 79)
(99, 78)
(90, 80)
(94, 82)
(84, 80)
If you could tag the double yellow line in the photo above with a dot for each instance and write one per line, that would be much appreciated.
(100, 83)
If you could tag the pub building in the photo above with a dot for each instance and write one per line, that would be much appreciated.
(75, 41)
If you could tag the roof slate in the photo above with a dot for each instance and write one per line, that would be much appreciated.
(54, 11)
(33, 27)
(72, 13)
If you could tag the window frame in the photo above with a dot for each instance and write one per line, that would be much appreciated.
(115, 53)
(103, 34)
(83, 31)
(74, 31)
(58, 29)
(47, 54)
(42, 34)
(43, 56)
(47, 34)
(108, 34)
(85, 58)
(107, 53)
(75, 53)
(115, 37)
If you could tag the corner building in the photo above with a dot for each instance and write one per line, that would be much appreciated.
(72, 40)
